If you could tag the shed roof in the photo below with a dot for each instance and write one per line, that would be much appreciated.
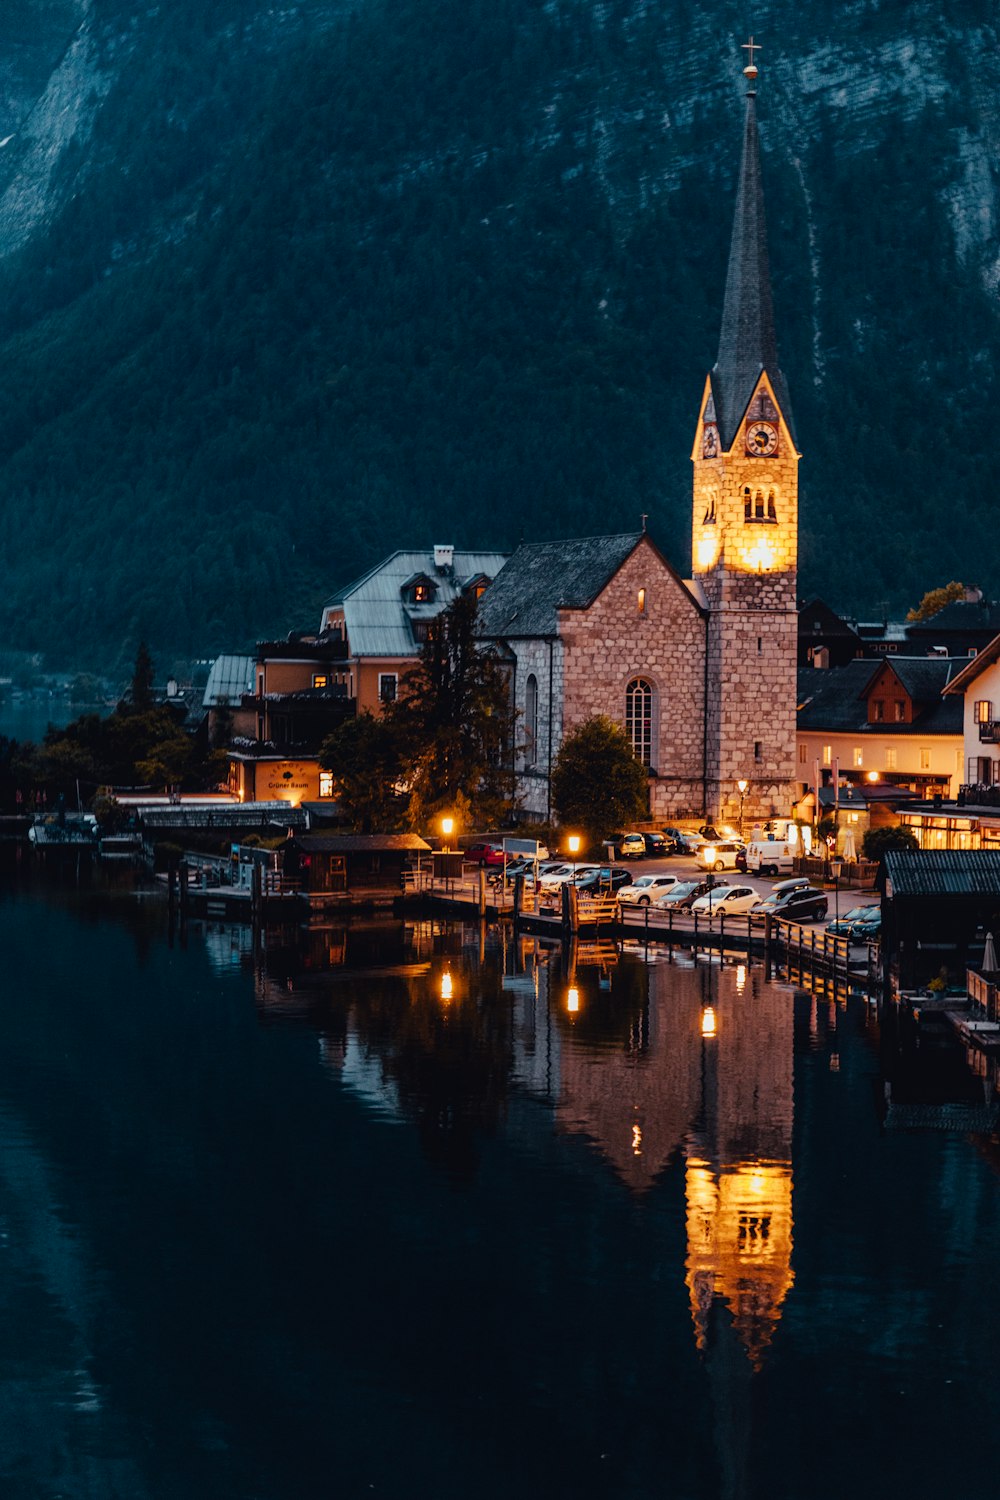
(942, 872)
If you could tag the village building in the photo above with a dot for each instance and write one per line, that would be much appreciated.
(303, 688)
(881, 721)
(701, 673)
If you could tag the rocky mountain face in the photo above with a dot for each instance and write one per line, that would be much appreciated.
(282, 287)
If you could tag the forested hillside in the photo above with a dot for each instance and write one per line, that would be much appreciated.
(281, 289)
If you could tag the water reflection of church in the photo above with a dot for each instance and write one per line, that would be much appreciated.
(666, 1065)
(656, 1067)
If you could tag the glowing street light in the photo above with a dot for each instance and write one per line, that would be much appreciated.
(447, 828)
(447, 988)
(573, 845)
(741, 787)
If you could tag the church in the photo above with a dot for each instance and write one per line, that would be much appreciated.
(699, 670)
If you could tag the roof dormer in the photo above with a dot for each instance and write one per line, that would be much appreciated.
(419, 589)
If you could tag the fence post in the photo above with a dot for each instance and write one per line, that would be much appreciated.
(767, 945)
(482, 890)
(518, 892)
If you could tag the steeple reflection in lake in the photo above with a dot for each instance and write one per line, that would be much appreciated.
(413, 1210)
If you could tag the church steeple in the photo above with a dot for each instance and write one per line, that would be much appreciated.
(747, 343)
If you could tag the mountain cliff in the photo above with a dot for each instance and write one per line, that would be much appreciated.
(283, 287)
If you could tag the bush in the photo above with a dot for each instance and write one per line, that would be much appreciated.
(878, 841)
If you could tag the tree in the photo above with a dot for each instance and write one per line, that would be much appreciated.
(456, 723)
(366, 760)
(142, 679)
(597, 783)
(935, 600)
(878, 841)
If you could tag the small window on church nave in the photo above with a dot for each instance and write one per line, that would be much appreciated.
(530, 719)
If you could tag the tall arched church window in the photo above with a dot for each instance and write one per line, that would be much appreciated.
(530, 718)
(639, 718)
(772, 514)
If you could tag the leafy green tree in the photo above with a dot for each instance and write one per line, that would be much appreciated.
(878, 841)
(935, 600)
(366, 760)
(597, 783)
(456, 723)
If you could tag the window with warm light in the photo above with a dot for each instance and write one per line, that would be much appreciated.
(899, 710)
(890, 758)
(320, 680)
(828, 755)
(641, 601)
(984, 710)
(326, 783)
(803, 754)
(859, 756)
(925, 757)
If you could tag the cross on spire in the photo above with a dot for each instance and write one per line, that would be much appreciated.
(751, 47)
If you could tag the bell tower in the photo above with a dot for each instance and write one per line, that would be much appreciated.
(745, 526)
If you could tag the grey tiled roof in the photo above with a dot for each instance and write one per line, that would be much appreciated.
(361, 843)
(943, 872)
(377, 618)
(747, 343)
(832, 699)
(544, 577)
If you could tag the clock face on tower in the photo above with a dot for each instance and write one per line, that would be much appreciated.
(762, 438)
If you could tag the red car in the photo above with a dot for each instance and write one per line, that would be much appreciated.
(484, 854)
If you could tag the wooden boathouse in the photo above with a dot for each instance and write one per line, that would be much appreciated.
(335, 868)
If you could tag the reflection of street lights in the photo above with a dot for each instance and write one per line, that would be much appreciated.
(573, 1000)
(741, 787)
(709, 1026)
(447, 989)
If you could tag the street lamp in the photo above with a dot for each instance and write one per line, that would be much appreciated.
(447, 828)
(573, 845)
(836, 865)
(741, 787)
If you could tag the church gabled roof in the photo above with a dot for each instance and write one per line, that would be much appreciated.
(544, 577)
(747, 343)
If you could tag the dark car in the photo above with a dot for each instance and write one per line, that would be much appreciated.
(656, 845)
(607, 878)
(674, 842)
(868, 930)
(846, 924)
(798, 904)
(680, 896)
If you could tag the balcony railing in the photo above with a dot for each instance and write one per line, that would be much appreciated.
(989, 732)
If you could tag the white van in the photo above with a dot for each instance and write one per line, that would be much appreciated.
(770, 857)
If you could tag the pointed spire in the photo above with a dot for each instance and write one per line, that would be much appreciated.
(747, 344)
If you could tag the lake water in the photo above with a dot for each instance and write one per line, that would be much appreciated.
(417, 1212)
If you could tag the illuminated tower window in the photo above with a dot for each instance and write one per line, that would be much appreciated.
(639, 718)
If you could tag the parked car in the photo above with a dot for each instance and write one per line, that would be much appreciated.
(566, 875)
(770, 857)
(844, 925)
(692, 842)
(631, 846)
(720, 856)
(797, 904)
(681, 896)
(656, 845)
(486, 853)
(602, 879)
(646, 888)
(867, 929)
(674, 840)
(726, 900)
(554, 875)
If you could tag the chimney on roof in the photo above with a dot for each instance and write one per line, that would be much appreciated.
(444, 558)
